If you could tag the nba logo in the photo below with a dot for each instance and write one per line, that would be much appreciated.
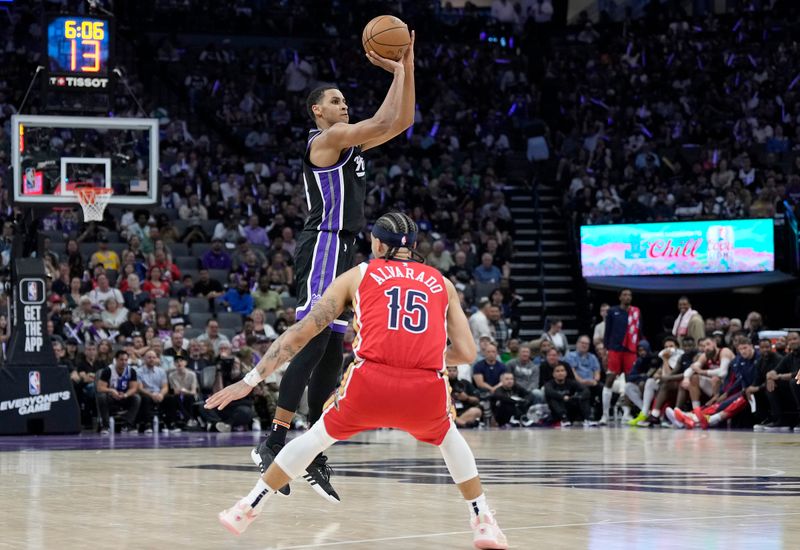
(34, 382)
(33, 292)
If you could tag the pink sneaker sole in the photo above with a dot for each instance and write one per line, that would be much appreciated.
(488, 544)
(229, 526)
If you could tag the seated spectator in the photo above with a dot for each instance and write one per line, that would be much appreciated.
(465, 400)
(641, 379)
(213, 336)
(206, 286)
(486, 372)
(94, 331)
(280, 273)
(510, 401)
(261, 327)
(600, 328)
(228, 230)
(237, 415)
(782, 391)
(169, 271)
(255, 233)
(133, 326)
(105, 257)
(265, 297)
(196, 362)
(175, 314)
(114, 315)
(555, 336)
(237, 300)
(249, 270)
(152, 389)
(100, 295)
(487, 272)
(440, 257)
(118, 388)
(155, 285)
(187, 288)
(499, 328)
(289, 244)
(689, 322)
(240, 340)
(184, 393)
(242, 249)
(479, 321)
(527, 374)
(216, 257)
(134, 296)
(178, 345)
(567, 399)
(193, 210)
(586, 367)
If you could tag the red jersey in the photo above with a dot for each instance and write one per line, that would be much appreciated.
(400, 315)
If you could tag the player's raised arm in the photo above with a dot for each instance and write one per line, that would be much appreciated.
(409, 102)
(328, 308)
(342, 135)
(462, 344)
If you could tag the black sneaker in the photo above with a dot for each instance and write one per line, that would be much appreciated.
(263, 455)
(318, 475)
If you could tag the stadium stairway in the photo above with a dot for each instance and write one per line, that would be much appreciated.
(541, 269)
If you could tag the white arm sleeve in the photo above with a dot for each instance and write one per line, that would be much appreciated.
(722, 371)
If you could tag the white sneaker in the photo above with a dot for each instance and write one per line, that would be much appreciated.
(175, 431)
(486, 534)
(566, 423)
(237, 518)
(192, 423)
(589, 424)
(222, 427)
(148, 431)
(256, 425)
(670, 413)
(603, 420)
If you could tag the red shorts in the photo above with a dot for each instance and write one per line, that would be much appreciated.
(373, 396)
(619, 360)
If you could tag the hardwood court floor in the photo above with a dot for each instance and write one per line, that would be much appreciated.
(553, 489)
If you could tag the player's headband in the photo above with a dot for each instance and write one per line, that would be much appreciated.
(394, 239)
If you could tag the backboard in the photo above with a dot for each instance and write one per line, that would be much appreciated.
(51, 154)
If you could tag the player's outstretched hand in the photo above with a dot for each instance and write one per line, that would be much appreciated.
(233, 392)
(384, 63)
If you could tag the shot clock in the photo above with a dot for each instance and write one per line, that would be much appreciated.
(79, 52)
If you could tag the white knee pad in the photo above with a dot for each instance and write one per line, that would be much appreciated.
(299, 452)
(458, 456)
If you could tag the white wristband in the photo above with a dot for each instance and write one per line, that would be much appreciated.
(253, 378)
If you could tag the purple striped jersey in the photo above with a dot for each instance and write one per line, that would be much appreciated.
(335, 195)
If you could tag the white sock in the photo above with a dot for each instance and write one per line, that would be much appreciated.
(478, 506)
(650, 388)
(633, 393)
(626, 410)
(695, 404)
(715, 419)
(607, 393)
(260, 493)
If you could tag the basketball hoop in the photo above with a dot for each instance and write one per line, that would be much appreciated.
(93, 201)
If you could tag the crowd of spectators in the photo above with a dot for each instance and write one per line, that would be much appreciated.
(694, 373)
(678, 118)
(152, 310)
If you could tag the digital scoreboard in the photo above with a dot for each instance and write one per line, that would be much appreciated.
(78, 52)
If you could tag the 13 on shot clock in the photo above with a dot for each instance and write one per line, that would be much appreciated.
(78, 51)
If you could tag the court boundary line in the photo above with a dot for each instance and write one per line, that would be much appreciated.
(532, 527)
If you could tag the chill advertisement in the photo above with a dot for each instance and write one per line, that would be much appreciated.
(678, 248)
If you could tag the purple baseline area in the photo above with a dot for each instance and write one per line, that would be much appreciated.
(95, 442)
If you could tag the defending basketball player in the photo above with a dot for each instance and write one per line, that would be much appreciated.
(399, 304)
(335, 182)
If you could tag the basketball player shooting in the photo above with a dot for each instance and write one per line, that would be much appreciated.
(335, 182)
(405, 312)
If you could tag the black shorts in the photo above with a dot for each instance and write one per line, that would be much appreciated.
(319, 258)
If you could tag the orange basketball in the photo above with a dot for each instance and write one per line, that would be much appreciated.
(387, 36)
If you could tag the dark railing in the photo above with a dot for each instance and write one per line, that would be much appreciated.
(538, 222)
(792, 233)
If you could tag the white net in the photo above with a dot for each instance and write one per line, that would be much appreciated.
(93, 201)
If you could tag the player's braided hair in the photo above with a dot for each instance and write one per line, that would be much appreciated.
(397, 222)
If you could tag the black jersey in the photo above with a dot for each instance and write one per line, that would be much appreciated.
(335, 195)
